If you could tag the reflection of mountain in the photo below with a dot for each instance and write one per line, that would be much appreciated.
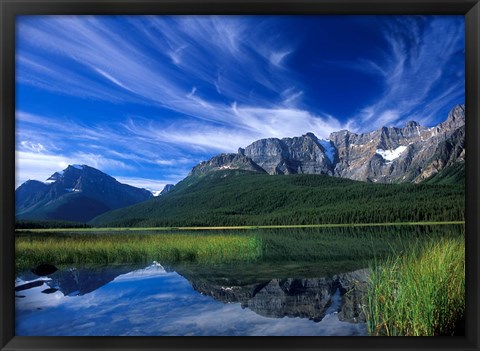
(81, 281)
(306, 298)
(310, 298)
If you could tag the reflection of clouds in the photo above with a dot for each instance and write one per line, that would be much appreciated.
(155, 302)
(151, 271)
(231, 319)
(34, 298)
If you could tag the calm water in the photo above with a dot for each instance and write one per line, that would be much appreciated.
(295, 289)
(154, 301)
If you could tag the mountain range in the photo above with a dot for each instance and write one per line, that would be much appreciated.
(228, 186)
(388, 155)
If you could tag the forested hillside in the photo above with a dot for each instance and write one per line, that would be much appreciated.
(228, 198)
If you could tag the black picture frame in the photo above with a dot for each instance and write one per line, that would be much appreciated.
(11, 8)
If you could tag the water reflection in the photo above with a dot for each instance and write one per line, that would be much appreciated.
(126, 300)
(279, 297)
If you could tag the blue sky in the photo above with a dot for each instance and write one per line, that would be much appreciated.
(145, 98)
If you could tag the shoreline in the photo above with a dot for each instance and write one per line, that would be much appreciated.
(246, 227)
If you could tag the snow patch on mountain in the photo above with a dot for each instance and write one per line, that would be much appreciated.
(390, 155)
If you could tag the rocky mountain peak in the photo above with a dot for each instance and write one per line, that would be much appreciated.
(225, 161)
(455, 119)
(75, 171)
(341, 132)
(304, 154)
(79, 178)
(411, 124)
(86, 189)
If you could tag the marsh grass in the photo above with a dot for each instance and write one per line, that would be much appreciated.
(421, 293)
(31, 250)
(355, 246)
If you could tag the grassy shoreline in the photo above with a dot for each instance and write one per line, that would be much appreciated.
(336, 225)
(421, 293)
(132, 248)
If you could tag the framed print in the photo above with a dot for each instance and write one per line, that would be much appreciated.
(239, 175)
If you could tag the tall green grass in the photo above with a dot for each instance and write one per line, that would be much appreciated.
(31, 250)
(421, 293)
(353, 247)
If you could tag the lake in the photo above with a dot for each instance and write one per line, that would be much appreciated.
(303, 282)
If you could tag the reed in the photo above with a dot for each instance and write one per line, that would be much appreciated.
(420, 293)
(32, 250)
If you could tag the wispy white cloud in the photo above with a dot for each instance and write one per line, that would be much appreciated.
(58, 135)
(192, 92)
(291, 96)
(282, 122)
(277, 57)
(110, 78)
(117, 59)
(246, 125)
(36, 70)
(176, 54)
(49, 127)
(360, 64)
(420, 53)
(99, 161)
(32, 147)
